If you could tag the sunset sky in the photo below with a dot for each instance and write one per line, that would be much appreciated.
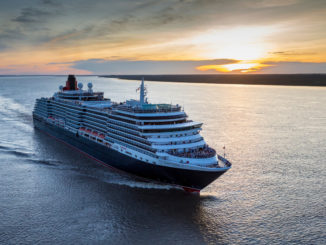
(162, 37)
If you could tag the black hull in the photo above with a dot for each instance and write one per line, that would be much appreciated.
(190, 180)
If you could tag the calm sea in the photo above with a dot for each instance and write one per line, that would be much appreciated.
(275, 192)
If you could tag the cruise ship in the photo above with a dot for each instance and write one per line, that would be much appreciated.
(156, 142)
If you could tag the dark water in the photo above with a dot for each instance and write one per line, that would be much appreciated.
(275, 193)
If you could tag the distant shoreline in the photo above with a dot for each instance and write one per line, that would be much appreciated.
(247, 79)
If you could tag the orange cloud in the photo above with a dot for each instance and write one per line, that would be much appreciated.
(42, 69)
(237, 67)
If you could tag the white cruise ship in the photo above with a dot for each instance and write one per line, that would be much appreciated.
(152, 141)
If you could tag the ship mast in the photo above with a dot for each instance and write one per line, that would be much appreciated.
(142, 92)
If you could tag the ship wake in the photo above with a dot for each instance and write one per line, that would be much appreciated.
(115, 178)
(14, 114)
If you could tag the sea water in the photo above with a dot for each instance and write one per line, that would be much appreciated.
(275, 192)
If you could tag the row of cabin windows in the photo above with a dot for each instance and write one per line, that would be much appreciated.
(132, 143)
(82, 109)
(94, 113)
(67, 107)
(149, 118)
(92, 122)
(181, 120)
(136, 148)
(165, 123)
(169, 130)
(128, 135)
(129, 131)
(122, 119)
(107, 144)
(178, 135)
(95, 117)
(131, 138)
(122, 124)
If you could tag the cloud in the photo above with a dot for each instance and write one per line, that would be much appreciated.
(293, 67)
(41, 69)
(272, 3)
(267, 67)
(31, 15)
(70, 36)
(291, 53)
(50, 2)
(9, 37)
(100, 66)
(30, 27)
(159, 30)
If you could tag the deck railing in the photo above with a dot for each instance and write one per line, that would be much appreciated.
(205, 152)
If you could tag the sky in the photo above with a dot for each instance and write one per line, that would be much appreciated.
(162, 37)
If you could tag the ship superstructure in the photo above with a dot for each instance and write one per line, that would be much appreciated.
(153, 141)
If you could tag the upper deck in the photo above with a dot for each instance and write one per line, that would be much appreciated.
(136, 108)
(81, 95)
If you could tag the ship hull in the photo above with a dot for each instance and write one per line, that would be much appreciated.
(189, 180)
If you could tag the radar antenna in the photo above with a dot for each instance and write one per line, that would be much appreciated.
(80, 86)
(90, 86)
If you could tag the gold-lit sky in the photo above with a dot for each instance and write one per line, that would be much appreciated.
(160, 37)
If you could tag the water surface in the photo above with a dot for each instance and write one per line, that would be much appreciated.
(275, 192)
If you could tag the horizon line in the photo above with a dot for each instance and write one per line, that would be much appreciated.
(187, 74)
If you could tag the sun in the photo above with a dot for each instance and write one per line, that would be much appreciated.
(241, 43)
(240, 51)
